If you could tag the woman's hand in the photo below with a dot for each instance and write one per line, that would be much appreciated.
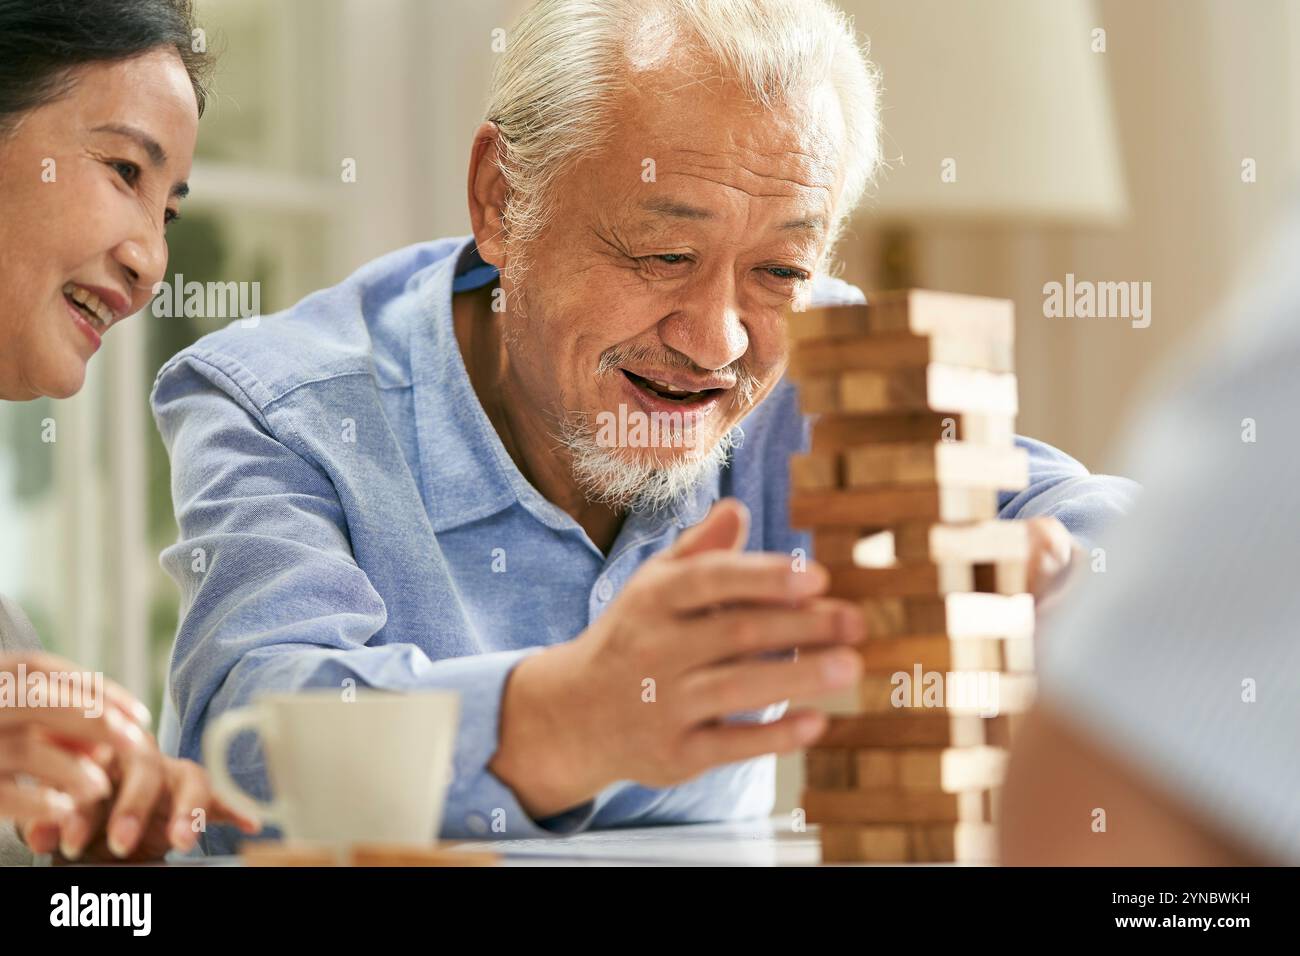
(159, 804)
(52, 757)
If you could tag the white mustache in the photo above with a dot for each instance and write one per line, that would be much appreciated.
(747, 384)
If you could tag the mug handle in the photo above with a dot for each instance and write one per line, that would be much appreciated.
(216, 747)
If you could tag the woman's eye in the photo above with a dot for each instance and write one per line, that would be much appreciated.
(781, 272)
(129, 172)
(170, 216)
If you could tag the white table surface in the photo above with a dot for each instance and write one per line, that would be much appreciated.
(760, 842)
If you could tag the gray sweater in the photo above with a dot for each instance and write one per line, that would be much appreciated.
(16, 634)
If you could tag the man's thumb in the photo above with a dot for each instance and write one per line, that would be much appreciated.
(724, 528)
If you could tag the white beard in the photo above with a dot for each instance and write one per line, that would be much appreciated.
(608, 478)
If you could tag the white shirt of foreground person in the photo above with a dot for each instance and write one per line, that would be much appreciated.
(1182, 658)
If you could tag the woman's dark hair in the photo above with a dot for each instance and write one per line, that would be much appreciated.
(43, 41)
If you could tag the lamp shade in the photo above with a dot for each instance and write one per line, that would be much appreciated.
(993, 110)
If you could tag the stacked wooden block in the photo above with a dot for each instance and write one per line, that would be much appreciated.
(915, 400)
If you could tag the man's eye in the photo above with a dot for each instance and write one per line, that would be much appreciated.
(781, 272)
(129, 172)
(672, 258)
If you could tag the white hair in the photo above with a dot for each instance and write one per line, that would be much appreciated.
(567, 61)
(637, 485)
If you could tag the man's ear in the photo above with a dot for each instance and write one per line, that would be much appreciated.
(487, 195)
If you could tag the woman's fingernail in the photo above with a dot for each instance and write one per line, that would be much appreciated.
(123, 834)
(180, 834)
(72, 838)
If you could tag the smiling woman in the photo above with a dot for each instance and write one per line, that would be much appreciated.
(99, 109)
(99, 112)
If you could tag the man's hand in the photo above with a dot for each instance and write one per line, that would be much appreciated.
(708, 625)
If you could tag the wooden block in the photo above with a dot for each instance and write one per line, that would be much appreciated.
(892, 350)
(993, 431)
(950, 464)
(376, 854)
(920, 579)
(914, 843)
(275, 853)
(945, 769)
(939, 388)
(1002, 577)
(829, 768)
(957, 693)
(895, 806)
(278, 853)
(818, 394)
(846, 843)
(953, 389)
(1018, 654)
(914, 728)
(831, 322)
(835, 545)
(972, 615)
(883, 507)
(983, 693)
(838, 431)
(815, 472)
(978, 543)
(932, 653)
(923, 312)
(884, 616)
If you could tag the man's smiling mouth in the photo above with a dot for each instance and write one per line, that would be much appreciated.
(668, 391)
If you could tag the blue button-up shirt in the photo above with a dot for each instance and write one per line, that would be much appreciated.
(347, 510)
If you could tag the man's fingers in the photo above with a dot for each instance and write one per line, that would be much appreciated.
(724, 528)
(29, 752)
(717, 692)
(738, 631)
(704, 581)
(729, 743)
(142, 782)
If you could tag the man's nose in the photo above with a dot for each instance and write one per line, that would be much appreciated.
(709, 329)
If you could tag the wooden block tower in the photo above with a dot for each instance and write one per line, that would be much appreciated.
(915, 402)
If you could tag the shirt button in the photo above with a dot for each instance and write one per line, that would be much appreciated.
(477, 823)
(604, 591)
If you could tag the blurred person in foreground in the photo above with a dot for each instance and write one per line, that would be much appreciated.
(1168, 726)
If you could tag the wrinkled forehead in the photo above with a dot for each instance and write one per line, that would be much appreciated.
(675, 129)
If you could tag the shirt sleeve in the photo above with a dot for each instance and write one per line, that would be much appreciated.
(272, 599)
(1060, 487)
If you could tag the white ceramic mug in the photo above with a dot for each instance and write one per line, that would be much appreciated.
(371, 769)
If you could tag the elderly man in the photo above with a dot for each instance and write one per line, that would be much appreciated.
(411, 480)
